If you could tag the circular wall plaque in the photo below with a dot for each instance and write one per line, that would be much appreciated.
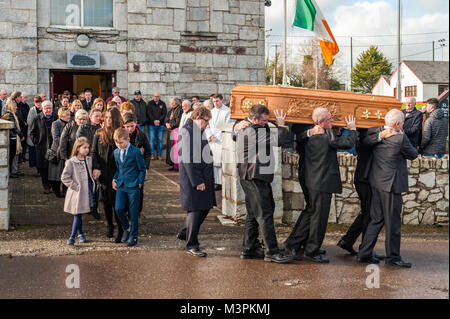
(83, 40)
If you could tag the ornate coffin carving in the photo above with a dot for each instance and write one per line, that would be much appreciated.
(298, 103)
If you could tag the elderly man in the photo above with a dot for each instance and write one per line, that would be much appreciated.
(3, 98)
(42, 139)
(388, 179)
(115, 92)
(256, 166)
(322, 179)
(413, 122)
(220, 117)
(196, 178)
(156, 114)
(435, 130)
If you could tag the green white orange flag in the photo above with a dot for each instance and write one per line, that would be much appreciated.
(308, 16)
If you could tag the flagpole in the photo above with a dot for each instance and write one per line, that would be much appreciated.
(399, 78)
(284, 42)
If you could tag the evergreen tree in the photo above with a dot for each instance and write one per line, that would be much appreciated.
(371, 64)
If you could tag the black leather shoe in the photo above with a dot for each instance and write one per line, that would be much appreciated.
(277, 258)
(59, 195)
(171, 168)
(13, 175)
(196, 252)
(398, 263)
(110, 232)
(20, 173)
(380, 257)
(342, 244)
(125, 236)
(369, 260)
(254, 254)
(322, 251)
(181, 236)
(119, 237)
(217, 187)
(318, 259)
(95, 214)
(292, 251)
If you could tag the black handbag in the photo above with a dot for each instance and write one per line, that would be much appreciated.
(100, 192)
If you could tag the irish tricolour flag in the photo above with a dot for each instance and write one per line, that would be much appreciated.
(308, 16)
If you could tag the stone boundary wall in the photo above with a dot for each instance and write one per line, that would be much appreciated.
(426, 203)
(4, 173)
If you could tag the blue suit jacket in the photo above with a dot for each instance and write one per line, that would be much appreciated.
(130, 173)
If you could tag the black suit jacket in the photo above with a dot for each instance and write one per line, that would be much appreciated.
(368, 138)
(413, 126)
(389, 172)
(321, 165)
(255, 151)
(87, 106)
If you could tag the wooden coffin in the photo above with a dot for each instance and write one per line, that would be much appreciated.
(298, 103)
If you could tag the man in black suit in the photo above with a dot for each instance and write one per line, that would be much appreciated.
(322, 178)
(256, 166)
(413, 122)
(88, 101)
(388, 179)
(368, 138)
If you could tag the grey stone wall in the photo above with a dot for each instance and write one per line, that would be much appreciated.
(18, 45)
(176, 47)
(426, 202)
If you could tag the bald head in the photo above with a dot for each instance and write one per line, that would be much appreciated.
(394, 118)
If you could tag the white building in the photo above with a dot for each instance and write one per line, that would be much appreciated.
(420, 79)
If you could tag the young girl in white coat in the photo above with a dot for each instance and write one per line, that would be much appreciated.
(78, 178)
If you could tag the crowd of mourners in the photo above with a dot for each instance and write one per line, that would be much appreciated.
(89, 150)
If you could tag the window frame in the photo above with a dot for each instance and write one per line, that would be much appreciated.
(82, 27)
(413, 89)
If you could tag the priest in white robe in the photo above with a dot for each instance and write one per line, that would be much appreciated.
(220, 117)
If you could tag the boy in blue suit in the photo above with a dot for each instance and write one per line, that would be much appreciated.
(128, 180)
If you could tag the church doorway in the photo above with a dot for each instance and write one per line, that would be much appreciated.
(75, 81)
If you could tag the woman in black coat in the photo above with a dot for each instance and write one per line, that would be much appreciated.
(103, 163)
(41, 137)
(69, 133)
(196, 178)
(55, 168)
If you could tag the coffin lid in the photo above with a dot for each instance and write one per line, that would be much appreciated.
(299, 103)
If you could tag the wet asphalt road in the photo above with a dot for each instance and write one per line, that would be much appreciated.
(173, 274)
(160, 268)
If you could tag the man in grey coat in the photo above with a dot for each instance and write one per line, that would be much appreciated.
(435, 131)
(388, 179)
(196, 178)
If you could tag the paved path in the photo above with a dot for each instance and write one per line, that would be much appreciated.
(34, 257)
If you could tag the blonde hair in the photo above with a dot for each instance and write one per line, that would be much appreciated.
(120, 133)
(62, 111)
(78, 143)
(72, 107)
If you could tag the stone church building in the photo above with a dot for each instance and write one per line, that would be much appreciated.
(176, 47)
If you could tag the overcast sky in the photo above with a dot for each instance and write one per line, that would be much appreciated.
(422, 22)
